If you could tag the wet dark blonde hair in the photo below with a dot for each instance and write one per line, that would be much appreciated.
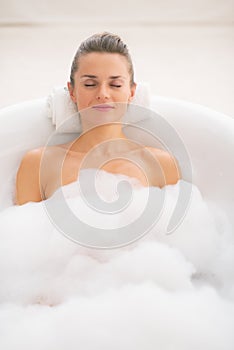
(102, 42)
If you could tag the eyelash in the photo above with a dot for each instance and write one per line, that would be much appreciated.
(91, 85)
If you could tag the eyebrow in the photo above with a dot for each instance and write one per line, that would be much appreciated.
(95, 77)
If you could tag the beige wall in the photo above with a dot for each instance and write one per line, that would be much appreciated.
(131, 10)
(182, 48)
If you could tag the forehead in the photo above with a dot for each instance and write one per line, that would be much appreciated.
(102, 63)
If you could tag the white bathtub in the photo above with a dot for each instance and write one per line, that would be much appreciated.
(166, 291)
(208, 137)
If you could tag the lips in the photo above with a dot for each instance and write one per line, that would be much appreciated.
(103, 107)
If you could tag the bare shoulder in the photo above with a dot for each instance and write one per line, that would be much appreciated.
(31, 158)
(156, 151)
(40, 158)
(160, 154)
(27, 178)
(37, 154)
(168, 164)
(30, 179)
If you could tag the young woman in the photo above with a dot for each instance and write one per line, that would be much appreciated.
(102, 85)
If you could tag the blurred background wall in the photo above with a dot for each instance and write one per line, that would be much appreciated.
(182, 48)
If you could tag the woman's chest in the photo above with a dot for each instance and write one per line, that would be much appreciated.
(67, 171)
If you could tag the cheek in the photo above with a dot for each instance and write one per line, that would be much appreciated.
(122, 94)
(82, 99)
(126, 95)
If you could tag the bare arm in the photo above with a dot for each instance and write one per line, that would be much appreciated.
(28, 178)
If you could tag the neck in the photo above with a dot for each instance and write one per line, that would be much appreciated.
(98, 135)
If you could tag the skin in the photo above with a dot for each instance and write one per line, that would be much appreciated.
(102, 78)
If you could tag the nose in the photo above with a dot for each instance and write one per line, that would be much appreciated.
(103, 94)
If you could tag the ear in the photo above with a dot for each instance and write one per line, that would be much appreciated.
(133, 91)
(71, 91)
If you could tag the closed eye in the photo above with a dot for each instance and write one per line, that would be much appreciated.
(113, 85)
(89, 84)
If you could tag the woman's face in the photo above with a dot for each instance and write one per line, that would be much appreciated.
(101, 78)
